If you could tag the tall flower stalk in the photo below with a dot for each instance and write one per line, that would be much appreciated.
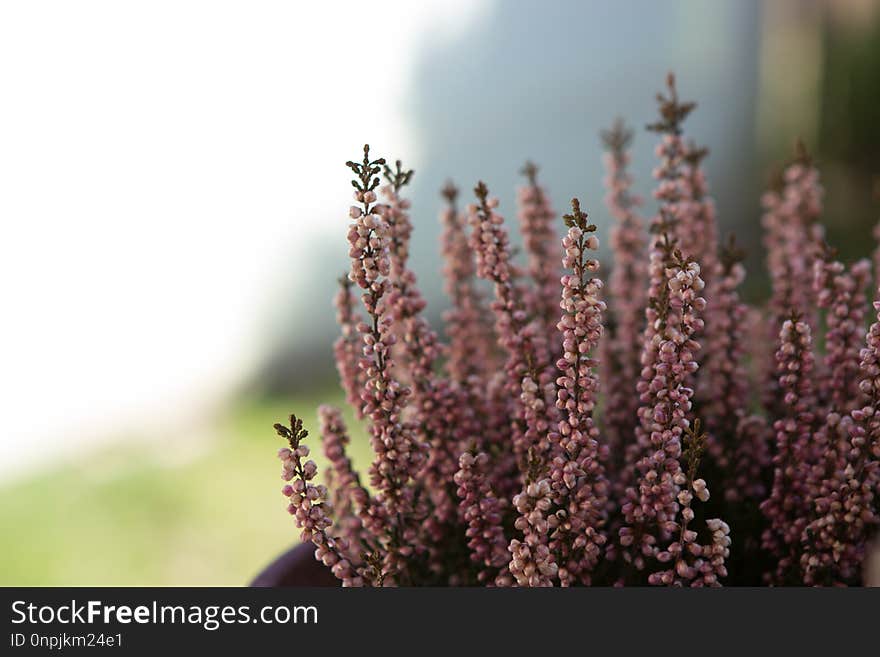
(627, 288)
(399, 454)
(537, 220)
(787, 508)
(841, 292)
(656, 505)
(527, 378)
(793, 239)
(577, 471)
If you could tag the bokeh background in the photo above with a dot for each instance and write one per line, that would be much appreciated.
(173, 210)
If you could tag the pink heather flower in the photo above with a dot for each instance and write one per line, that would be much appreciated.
(347, 347)
(724, 392)
(672, 193)
(482, 513)
(397, 215)
(684, 561)
(875, 256)
(749, 458)
(532, 564)
(721, 386)
(353, 507)
(577, 474)
(870, 363)
(307, 503)
(627, 292)
(505, 477)
(399, 454)
(404, 299)
(788, 505)
(650, 507)
(470, 334)
(793, 239)
(483, 406)
(491, 465)
(845, 513)
(696, 229)
(843, 294)
(536, 218)
(694, 564)
(526, 347)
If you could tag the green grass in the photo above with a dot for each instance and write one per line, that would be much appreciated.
(207, 513)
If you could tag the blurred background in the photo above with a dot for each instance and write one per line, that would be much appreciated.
(173, 207)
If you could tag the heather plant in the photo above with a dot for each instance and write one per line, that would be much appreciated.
(565, 434)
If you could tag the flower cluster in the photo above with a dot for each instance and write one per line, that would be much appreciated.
(307, 503)
(562, 433)
(482, 512)
(841, 291)
(627, 288)
(527, 366)
(577, 470)
(537, 225)
(787, 507)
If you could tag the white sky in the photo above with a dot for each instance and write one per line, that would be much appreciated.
(159, 161)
